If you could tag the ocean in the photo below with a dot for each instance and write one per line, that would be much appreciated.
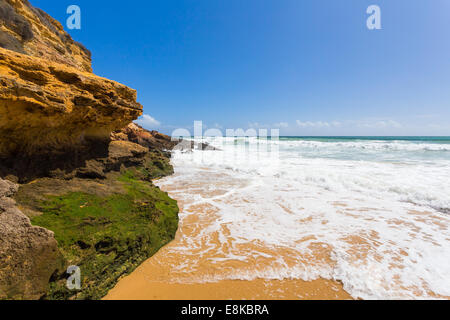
(369, 213)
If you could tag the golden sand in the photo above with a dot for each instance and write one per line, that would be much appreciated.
(184, 270)
(137, 287)
(163, 277)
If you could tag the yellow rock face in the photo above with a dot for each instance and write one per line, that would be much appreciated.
(49, 105)
(49, 98)
(33, 32)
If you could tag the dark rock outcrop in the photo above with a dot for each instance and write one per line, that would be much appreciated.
(92, 159)
(150, 139)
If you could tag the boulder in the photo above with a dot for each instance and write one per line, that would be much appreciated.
(29, 255)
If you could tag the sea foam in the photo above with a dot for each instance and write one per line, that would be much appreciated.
(372, 214)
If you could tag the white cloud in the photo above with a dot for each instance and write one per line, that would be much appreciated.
(318, 124)
(278, 125)
(437, 126)
(281, 125)
(254, 125)
(367, 124)
(336, 124)
(379, 124)
(148, 122)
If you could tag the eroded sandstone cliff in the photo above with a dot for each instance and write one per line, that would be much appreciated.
(47, 88)
(29, 30)
(75, 172)
(59, 104)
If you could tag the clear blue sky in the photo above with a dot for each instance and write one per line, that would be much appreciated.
(310, 67)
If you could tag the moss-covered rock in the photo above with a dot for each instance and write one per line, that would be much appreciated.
(105, 213)
(107, 236)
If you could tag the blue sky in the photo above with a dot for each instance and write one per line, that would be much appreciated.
(309, 67)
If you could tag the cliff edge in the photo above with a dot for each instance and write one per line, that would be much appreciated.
(75, 172)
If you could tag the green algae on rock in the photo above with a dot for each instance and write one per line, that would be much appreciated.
(107, 236)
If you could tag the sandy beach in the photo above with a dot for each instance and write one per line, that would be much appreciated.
(304, 227)
(162, 277)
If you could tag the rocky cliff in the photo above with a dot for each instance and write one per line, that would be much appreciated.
(47, 88)
(75, 172)
(50, 110)
(61, 104)
(33, 32)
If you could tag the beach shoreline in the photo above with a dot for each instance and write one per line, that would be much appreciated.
(155, 280)
(251, 228)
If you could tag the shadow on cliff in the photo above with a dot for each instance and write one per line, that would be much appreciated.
(91, 159)
(62, 163)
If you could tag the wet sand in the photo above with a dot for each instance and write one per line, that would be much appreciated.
(162, 278)
(189, 268)
(138, 286)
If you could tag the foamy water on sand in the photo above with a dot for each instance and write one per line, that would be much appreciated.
(324, 219)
